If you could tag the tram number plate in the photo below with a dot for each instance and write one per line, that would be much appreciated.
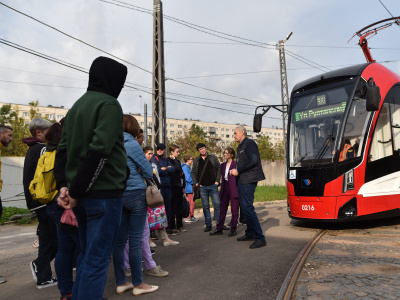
(307, 207)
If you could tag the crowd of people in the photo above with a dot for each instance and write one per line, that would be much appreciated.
(102, 174)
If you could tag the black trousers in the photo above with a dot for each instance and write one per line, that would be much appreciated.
(47, 245)
(176, 208)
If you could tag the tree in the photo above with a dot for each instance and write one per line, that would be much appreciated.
(188, 141)
(268, 151)
(10, 117)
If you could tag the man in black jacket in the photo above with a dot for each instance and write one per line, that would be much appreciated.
(47, 231)
(208, 183)
(249, 171)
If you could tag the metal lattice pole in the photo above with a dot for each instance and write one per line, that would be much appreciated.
(159, 134)
(284, 84)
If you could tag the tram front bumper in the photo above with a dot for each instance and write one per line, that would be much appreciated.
(319, 208)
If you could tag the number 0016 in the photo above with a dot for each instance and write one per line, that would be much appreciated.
(307, 207)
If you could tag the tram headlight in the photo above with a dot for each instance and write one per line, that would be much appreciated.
(348, 181)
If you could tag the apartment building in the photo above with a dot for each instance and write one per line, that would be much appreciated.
(220, 132)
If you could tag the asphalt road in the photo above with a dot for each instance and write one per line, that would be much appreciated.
(200, 267)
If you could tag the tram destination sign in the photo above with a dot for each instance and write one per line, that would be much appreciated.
(319, 112)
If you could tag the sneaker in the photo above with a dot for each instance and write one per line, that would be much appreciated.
(66, 297)
(152, 245)
(128, 272)
(188, 220)
(193, 219)
(207, 229)
(173, 243)
(34, 270)
(157, 272)
(48, 283)
(2, 279)
(182, 229)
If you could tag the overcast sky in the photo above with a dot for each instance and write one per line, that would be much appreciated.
(321, 30)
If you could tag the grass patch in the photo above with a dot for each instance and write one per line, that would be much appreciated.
(11, 211)
(262, 194)
(270, 193)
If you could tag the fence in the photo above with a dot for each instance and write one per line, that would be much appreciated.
(13, 190)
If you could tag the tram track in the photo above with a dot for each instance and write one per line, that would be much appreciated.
(289, 284)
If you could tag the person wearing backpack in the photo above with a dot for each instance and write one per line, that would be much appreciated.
(47, 231)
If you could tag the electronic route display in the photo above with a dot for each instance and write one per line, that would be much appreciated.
(320, 112)
(321, 100)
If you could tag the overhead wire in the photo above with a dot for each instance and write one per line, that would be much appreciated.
(72, 37)
(385, 8)
(101, 49)
(76, 68)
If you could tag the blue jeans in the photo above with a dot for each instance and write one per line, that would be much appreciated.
(133, 220)
(246, 199)
(98, 221)
(68, 243)
(166, 193)
(212, 192)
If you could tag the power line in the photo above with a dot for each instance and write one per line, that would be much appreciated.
(385, 8)
(43, 74)
(70, 36)
(185, 83)
(180, 21)
(13, 45)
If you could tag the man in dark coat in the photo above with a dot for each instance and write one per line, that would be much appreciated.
(249, 172)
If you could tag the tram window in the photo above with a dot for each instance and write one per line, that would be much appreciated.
(355, 129)
(381, 145)
(395, 114)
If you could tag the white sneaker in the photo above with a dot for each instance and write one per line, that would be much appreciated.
(2, 279)
(152, 245)
(48, 283)
(173, 243)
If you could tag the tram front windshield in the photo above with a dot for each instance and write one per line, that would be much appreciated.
(315, 124)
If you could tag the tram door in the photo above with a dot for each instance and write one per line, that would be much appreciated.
(384, 152)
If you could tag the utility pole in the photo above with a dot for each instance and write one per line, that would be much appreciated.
(284, 85)
(159, 134)
(145, 126)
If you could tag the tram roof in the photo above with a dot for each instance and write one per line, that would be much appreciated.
(344, 72)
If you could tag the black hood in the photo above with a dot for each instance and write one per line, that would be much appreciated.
(107, 76)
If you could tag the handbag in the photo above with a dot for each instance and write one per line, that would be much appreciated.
(157, 218)
(196, 188)
(153, 195)
(68, 217)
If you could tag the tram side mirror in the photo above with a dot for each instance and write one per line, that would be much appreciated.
(257, 122)
(373, 95)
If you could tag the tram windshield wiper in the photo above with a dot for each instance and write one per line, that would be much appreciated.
(328, 142)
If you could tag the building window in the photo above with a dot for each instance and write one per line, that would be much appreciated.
(205, 128)
(179, 132)
(142, 124)
(274, 133)
(171, 125)
(279, 134)
(60, 117)
(222, 129)
(216, 129)
(172, 132)
(26, 122)
(185, 126)
(25, 114)
(179, 126)
(233, 130)
(227, 135)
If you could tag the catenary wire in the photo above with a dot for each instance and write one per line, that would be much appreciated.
(101, 49)
(385, 8)
(72, 37)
